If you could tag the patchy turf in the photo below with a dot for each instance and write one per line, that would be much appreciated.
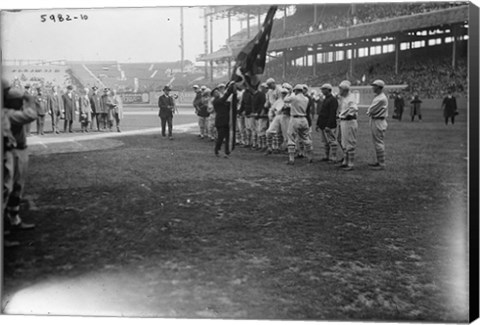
(192, 235)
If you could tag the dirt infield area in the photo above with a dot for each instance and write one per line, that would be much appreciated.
(151, 227)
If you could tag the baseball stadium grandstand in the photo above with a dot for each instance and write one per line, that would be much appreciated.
(126, 77)
(322, 43)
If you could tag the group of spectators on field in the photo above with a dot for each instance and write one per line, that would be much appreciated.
(82, 108)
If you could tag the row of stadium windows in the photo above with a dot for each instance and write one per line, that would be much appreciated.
(329, 57)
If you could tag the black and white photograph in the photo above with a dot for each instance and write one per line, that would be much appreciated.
(228, 161)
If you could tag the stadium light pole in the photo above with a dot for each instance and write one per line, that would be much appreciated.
(182, 53)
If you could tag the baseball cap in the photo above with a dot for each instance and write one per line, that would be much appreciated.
(345, 84)
(221, 85)
(206, 91)
(287, 86)
(195, 86)
(167, 88)
(378, 83)
(264, 85)
(284, 91)
(203, 87)
(213, 90)
(298, 87)
(270, 80)
(326, 86)
(305, 87)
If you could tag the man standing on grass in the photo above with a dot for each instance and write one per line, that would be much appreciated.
(399, 104)
(167, 105)
(274, 128)
(70, 107)
(298, 126)
(246, 110)
(261, 116)
(106, 105)
(449, 107)
(95, 105)
(20, 110)
(201, 111)
(55, 108)
(327, 123)
(42, 109)
(222, 118)
(348, 110)
(378, 112)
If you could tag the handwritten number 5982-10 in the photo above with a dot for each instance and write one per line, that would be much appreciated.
(61, 18)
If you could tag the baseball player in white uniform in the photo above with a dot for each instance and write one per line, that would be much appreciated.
(275, 116)
(348, 110)
(298, 125)
(378, 113)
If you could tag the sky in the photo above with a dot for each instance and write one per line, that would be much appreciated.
(121, 34)
(127, 31)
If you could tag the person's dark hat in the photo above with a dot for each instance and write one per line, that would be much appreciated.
(94, 88)
(27, 86)
(167, 88)
(213, 90)
(69, 87)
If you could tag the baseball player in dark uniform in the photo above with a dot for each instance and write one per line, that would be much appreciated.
(327, 123)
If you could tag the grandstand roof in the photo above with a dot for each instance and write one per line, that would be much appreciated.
(221, 12)
(379, 28)
(374, 29)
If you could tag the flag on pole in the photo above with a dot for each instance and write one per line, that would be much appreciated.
(250, 62)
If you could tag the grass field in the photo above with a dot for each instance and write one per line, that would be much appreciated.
(152, 227)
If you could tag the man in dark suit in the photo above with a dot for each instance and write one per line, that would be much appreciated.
(42, 109)
(95, 104)
(70, 108)
(166, 103)
(222, 117)
(55, 107)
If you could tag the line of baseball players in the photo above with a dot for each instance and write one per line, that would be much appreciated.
(277, 118)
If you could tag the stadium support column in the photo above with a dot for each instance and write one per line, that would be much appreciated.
(397, 52)
(350, 68)
(454, 46)
(315, 15)
(284, 20)
(284, 65)
(211, 47)
(314, 61)
(205, 42)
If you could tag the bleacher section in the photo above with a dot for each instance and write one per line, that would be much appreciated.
(333, 16)
(134, 76)
(37, 75)
(428, 75)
